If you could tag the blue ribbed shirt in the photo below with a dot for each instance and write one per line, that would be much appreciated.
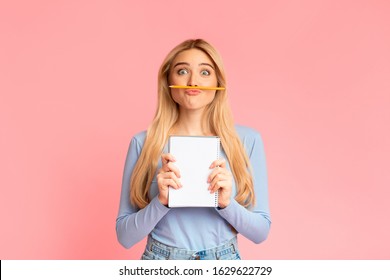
(195, 228)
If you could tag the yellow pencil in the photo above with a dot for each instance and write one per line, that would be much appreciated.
(196, 87)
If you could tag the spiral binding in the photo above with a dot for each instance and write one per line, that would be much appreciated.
(218, 151)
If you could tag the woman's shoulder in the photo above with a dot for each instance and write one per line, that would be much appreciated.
(139, 138)
(247, 133)
(250, 138)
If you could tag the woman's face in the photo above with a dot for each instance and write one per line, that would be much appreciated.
(192, 68)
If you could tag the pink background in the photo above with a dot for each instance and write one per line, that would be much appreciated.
(78, 79)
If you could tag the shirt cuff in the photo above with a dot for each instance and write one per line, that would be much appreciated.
(159, 206)
(228, 209)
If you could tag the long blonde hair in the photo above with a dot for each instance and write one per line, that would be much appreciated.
(167, 113)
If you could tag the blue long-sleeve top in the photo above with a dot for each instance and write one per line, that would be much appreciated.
(195, 228)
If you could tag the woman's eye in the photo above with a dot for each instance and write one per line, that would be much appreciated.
(205, 73)
(182, 71)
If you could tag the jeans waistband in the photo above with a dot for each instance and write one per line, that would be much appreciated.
(157, 250)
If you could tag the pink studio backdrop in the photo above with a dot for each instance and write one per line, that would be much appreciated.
(78, 79)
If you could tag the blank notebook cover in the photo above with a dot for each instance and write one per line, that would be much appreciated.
(194, 155)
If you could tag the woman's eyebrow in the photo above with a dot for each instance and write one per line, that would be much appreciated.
(207, 64)
(187, 64)
(181, 63)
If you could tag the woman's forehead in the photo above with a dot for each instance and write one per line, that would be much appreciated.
(192, 56)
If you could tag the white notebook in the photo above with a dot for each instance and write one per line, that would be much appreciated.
(194, 155)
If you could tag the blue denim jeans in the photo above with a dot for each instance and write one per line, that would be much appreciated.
(156, 250)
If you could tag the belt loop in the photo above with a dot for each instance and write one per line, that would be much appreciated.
(234, 248)
(150, 243)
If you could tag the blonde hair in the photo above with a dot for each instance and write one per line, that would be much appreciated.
(220, 123)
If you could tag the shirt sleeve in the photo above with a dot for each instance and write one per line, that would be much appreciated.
(133, 224)
(254, 223)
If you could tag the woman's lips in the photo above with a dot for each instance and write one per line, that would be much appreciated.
(192, 91)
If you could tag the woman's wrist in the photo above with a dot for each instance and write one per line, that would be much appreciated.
(163, 201)
(223, 205)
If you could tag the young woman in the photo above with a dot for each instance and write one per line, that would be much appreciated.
(239, 178)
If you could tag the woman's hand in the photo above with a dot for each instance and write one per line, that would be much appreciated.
(168, 176)
(221, 180)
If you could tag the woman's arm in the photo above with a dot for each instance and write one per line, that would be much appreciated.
(132, 224)
(255, 223)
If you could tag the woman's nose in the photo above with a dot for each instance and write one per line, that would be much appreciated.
(192, 81)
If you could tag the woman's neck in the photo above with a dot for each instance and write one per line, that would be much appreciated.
(190, 123)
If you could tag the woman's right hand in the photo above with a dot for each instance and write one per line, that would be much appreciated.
(168, 176)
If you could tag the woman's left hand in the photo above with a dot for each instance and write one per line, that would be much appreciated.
(221, 180)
